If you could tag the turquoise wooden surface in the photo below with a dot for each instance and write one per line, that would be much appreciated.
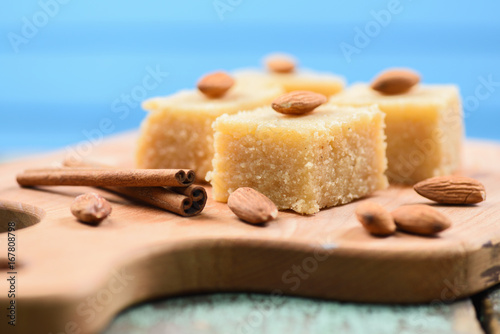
(254, 313)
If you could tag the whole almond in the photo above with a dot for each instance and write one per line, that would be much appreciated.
(452, 190)
(215, 84)
(420, 219)
(375, 219)
(252, 206)
(280, 63)
(90, 208)
(395, 81)
(298, 102)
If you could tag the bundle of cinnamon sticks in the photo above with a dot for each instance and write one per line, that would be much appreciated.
(168, 189)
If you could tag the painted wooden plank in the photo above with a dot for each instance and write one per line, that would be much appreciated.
(253, 313)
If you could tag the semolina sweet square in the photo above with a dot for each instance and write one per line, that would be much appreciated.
(424, 128)
(304, 163)
(177, 132)
(301, 79)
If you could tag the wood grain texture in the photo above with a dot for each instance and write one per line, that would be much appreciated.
(80, 276)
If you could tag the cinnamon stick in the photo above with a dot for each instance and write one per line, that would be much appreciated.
(106, 177)
(185, 201)
(167, 199)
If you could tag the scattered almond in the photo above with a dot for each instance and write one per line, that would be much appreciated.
(280, 63)
(420, 219)
(452, 190)
(298, 102)
(375, 219)
(395, 81)
(252, 206)
(215, 84)
(90, 208)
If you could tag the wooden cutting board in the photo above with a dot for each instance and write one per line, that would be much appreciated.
(74, 278)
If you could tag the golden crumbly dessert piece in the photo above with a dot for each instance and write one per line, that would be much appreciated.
(177, 132)
(301, 79)
(304, 163)
(424, 128)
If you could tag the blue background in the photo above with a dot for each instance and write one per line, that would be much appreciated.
(80, 59)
